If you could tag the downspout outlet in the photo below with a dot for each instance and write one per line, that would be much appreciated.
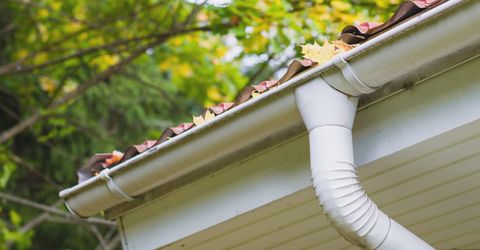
(329, 115)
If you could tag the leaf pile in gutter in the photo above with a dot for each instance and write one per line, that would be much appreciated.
(314, 55)
(99, 162)
(355, 34)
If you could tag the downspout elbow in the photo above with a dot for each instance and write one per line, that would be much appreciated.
(329, 115)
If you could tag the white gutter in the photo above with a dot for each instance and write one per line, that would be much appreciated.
(328, 114)
(249, 127)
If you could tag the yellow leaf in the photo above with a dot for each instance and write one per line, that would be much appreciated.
(83, 36)
(340, 5)
(221, 51)
(347, 18)
(43, 13)
(255, 94)
(73, 27)
(44, 32)
(382, 3)
(199, 120)
(22, 53)
(176, 41)
(97, 41)
(112, 59)
(184, 70)
(257, 44)
(40, 58)
(317, 53)
(105, 61)
(214, 94)
(164, 65)
(168, 63)
(209, 115)
(70, 86)
(80, 11)
(47, 84)
(56, 5)
(318, 9)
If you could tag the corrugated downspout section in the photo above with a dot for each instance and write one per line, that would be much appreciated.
(328, 116)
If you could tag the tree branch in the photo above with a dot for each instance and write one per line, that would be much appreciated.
(32, 169)
(193, 14)
(32, 119)
(139, 80)
(55, 211)
(9, 112)
(108, 238)
(114, 242)
(19, 127)
(39, 219)
(15, 67)
(99, 236)
(7, 28)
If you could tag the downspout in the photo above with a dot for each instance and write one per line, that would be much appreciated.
(329, 115)
(328, 105)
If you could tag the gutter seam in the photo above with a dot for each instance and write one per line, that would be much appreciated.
(350, 76)
(325, 125)
(388, 231)
(69, 208)
(113, 187)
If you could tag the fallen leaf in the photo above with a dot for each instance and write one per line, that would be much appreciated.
(116, 157)
(199, 120)
(182, 128)
(366, 26)
(222, 107)
(342, 46)
(317, 53)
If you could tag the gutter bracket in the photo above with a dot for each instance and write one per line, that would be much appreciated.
(113, 187)
(350, 76)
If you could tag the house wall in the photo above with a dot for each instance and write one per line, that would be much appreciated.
(423, 134)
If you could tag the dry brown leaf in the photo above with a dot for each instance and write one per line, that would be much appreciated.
(342, 46)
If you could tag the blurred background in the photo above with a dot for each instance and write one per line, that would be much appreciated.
(79, 77)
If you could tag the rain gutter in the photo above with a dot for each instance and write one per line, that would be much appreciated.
(403, 50)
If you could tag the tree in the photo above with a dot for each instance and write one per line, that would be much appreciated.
(79, 77)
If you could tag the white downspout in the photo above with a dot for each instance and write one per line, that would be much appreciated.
(328, 115)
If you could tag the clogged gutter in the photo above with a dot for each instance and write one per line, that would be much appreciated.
(314, 55)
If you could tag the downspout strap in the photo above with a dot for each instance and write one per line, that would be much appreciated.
(350, 75)
(113, 187)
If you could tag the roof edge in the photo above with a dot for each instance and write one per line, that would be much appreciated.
(247, 130)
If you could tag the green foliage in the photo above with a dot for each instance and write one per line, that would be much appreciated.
(68, 62)
(9, 234)
(8, 167)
